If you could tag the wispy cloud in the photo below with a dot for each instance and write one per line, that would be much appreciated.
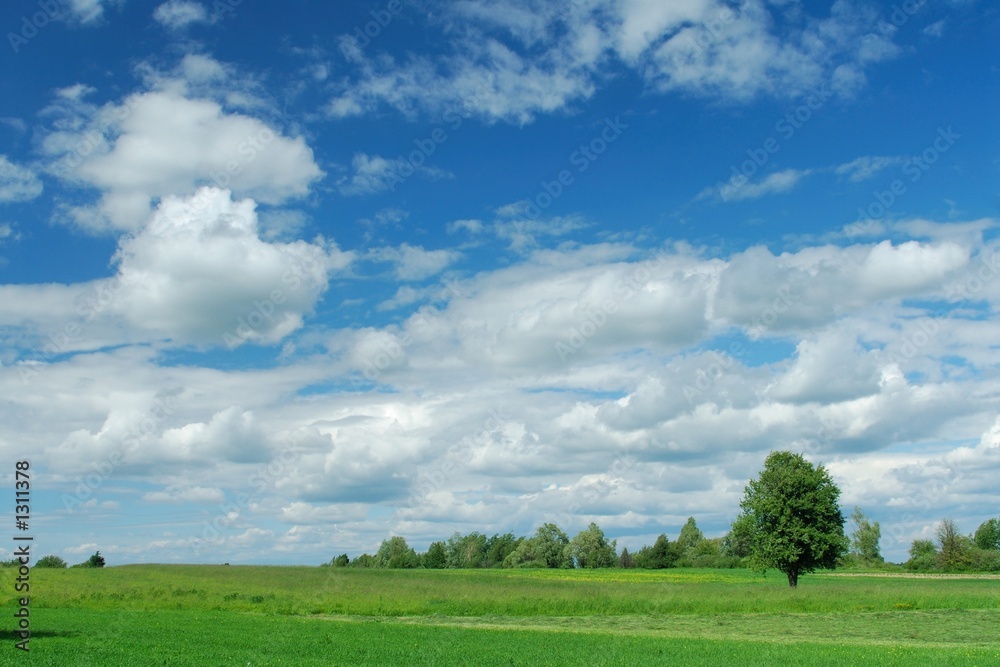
(863, 168)
(739, 187)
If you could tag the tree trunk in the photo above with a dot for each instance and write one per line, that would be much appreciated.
(793, 578)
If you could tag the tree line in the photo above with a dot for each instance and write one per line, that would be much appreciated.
(549, 547)
(53, 561)
(790, 520)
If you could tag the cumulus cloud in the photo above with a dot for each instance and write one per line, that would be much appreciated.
(231, 435)
(573, 384)
(89, 12)
(414, 262)
(830, 368)
(200, 272)
(160, 143)
(17, 183)
(177, 14)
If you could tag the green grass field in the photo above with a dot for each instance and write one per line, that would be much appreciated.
(218, 615)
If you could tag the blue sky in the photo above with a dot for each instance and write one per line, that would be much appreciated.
(271, 292)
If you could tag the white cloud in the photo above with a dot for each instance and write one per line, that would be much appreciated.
(414, 262)
(523, 232)
(371, 174)
(162, 143)
(200, 272)
(935, 29)
(739, 187)
(17, 183)
(194, 494)
(305, 514)
(830, 368)
(508, 62)
(470, 226)
(232, 435)
(481, 425)
(863, 168)
(177, 14)
(89, 12)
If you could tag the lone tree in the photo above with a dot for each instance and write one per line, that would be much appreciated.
(793, 517)
(865, 539)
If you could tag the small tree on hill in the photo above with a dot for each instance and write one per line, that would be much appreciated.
(51, 561)
(793, 512)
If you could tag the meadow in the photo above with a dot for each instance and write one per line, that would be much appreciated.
(256, 615)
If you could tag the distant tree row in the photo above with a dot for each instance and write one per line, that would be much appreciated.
(97, 560)
(954, 552)
(549, 547)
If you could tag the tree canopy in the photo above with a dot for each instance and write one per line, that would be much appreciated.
(794, 518)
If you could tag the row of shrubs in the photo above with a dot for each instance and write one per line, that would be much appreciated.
(97, 560)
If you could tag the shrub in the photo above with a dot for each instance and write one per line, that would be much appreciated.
(97, 560)
(51, 561)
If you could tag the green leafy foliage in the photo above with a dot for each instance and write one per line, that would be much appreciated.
(51, 561)
(794, 515)
(988, 535)
(97, 560)
(865, 539)
(436, 557)
(395, 553)
(658, 556)
(590, 548)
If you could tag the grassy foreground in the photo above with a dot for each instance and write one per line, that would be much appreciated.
(198, 615)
